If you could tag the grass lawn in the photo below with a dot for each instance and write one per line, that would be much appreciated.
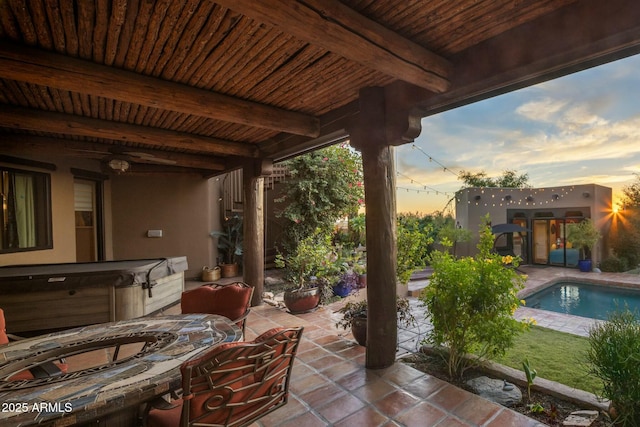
(557, 356)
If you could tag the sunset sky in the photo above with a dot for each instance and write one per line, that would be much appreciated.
(579, 129)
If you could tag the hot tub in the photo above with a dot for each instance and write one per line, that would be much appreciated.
(53, 296)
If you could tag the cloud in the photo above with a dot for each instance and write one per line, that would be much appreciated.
(543, 110)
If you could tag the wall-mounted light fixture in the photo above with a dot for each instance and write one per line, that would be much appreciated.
(555, 196)
(529, 198)
(585, 194)
(477, 197)
(507, 198)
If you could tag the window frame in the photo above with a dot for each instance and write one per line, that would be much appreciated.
(43, 211)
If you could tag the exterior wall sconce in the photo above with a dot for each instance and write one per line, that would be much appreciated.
(529, 198)
(507, 198)
(585, 194)
(555, 196)
(477, 197)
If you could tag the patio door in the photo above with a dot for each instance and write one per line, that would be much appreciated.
(88, 218)
(540, 241)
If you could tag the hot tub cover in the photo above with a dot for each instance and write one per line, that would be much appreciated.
(140, 272)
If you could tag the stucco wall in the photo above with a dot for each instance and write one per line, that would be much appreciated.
(184, 207)
(63, 217)
(472, 204)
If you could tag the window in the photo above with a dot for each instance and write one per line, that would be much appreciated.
(26, 210)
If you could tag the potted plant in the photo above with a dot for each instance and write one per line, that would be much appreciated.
(230, 245)
(354, 316)
(307, 270)
(584, 235)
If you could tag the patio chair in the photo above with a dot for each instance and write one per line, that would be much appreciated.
(233, 384)
(232, 301)
(45, 369)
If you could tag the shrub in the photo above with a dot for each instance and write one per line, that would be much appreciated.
(615, 357)
(470, 303)
(613, 264)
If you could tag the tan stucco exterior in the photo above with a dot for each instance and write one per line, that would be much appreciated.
(503, 204)
(184, 206)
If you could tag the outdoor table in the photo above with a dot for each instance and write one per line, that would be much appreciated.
(110, 393)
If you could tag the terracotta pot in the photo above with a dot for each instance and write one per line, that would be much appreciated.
(302, 300)
(359, 330)
(362, 281)
(229, 270)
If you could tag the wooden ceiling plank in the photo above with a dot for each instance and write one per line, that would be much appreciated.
(20, 9)
(86, 17)
(126, 32)
(228, 46)
(137, 37)
(8, 24)
(166, 27)
(116, 22)
(192, 43)
(64, 124)
(75, 75)
(330, 24)
(100, 29)
(66, 10)
(57, 27)
(41, 23)
(153, 33)
(160, 57)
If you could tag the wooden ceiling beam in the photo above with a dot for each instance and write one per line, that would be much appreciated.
(31, 144)
(67, 124)
(27, 64)
(339, 29)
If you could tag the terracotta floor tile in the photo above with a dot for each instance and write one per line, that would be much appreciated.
(396, 402)
(367, 416)
(341, 369)
(452, 422)
(422, 415)
(313, 354)
(450, 397)
(477, 410)
(292, 409)
(425, 386)
(401, 374)
(307, 420)
(322, 395)
(341, 408)
(358, 379)
(308, 383)
(325, 362)
(374, 391)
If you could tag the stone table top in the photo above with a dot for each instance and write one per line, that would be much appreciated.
(88, 394)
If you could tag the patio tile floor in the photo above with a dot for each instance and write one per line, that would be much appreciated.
(330, 385)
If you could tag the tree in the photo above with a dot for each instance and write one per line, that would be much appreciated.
(631, 193)
(324, 186)
(509, 179)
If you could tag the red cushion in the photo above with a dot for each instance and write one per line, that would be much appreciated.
(230, 301)
(165, 417)
(4, 339)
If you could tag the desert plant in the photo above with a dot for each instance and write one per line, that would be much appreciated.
(614, 355)
(230, 239)
(412, 245)
(530, 374)
(470, 302)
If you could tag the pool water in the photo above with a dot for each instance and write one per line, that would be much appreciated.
(586, 300)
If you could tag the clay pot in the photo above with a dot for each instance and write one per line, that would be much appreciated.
(359, 330)
(302, 300)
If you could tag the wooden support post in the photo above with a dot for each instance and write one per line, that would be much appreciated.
(253, 224)
(370, 137)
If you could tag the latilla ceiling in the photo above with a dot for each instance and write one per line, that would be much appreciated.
(201, 86)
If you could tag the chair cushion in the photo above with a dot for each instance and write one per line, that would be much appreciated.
(165, 417)
(230, 301)
(4, 339)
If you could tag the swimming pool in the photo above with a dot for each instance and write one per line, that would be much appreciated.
(586, 300)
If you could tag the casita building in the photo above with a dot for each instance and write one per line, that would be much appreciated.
(543, 215)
